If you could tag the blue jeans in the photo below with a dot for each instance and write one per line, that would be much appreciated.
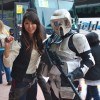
(3, 68)
(1, 64)
(92, 92)
(8, 74)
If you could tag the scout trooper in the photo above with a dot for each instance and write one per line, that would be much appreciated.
(76, 56)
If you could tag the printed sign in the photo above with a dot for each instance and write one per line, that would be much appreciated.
(43, 3)
(19, 9)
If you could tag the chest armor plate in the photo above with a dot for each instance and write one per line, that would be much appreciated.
(63, 49)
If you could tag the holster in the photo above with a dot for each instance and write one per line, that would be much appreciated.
(16, 93)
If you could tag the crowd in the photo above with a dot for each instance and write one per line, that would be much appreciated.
(65, 57)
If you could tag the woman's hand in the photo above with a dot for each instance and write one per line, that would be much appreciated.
(8, 42)
(9, 39)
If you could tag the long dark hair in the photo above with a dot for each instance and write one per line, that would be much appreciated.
(37, 36)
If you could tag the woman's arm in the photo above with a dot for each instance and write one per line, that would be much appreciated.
(11, 51)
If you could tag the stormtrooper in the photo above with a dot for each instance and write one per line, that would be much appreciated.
(73, 50)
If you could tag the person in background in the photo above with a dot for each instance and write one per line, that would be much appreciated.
(11, 31)
(31, 9)
(41, 80)
(24, 57)
(92, 77)
(3, 34)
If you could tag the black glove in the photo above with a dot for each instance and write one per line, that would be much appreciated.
(76, 74)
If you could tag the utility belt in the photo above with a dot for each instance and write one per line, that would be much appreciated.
(65, 91)
(29, 77)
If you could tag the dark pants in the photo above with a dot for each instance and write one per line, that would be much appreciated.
(24, 90)
(42, 83)
(92, 92)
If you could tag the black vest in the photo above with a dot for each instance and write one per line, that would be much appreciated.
(21, 63)
(94, 72)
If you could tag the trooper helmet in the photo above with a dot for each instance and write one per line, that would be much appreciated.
(61, 22)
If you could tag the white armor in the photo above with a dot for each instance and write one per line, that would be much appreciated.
(61, 24)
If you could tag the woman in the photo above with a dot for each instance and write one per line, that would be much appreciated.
(3, 34)
(41, 80)
(24, 57)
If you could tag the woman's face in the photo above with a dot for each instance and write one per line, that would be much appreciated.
(30, 27)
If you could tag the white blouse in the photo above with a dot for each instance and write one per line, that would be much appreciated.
(14, 51)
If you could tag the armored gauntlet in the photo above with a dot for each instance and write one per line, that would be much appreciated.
(76, 74)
